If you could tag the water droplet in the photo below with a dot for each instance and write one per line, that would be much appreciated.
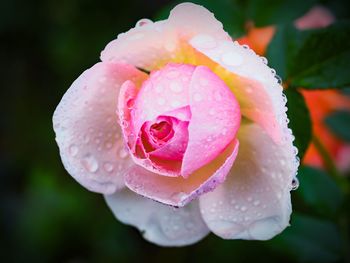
(279, 80)
(73, 150)
(256, 202)
(90, 163)
(197, 97)
(143, 22)
(176, 87)
(212, 112)
(125, 124)
(244, 208)
(203, 41)
(108, 167)
(264, 60)
(249, 199)
(249, 89)
(172, 74)
(170, 46)
(109, 145)
(123, 153)
(224, 131)
(232, 59)
(295, 183)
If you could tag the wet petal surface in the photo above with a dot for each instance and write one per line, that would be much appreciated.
(254, 202)
(159, 224)
(87, 129)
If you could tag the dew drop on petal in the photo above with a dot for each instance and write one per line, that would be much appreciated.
(90, 163)
(212, 112)
(73, 150)
(279, 80)
(264, 60)
(123, 153)
(256, 202)
(173, 74)
(108, 167)
(295, 183)
(176, 87)
(204, 41)
(143, 22)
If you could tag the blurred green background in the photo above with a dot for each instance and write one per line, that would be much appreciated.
(47, 217)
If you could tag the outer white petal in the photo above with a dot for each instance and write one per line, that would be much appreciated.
(254, 202)
(159, 224)
(152, 45)
(254, 84)
(86, 127)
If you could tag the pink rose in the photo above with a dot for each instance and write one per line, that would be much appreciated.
(205, 131)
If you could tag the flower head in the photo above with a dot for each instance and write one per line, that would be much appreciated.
(205, 131)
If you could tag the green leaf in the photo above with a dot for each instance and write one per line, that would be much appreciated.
(323, 59)
(339, 123)
(319, 191)
(299, 120)
(228, 12)
(283, 48)
(309, 239)
(268, 12)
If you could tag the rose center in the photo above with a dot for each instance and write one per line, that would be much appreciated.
(161, 131)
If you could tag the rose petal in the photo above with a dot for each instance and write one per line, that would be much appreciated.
(215, 119)
(254, 202)
(152, 45)
(126, 99)
(177, 191)
(189, 19)
(254, 84)
(159, 224)
(174, 148)
(166, 90)
(86, 127)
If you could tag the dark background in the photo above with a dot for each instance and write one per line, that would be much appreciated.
(45, 215)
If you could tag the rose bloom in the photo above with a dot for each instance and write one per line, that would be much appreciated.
(321, 103)
(184, 132)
